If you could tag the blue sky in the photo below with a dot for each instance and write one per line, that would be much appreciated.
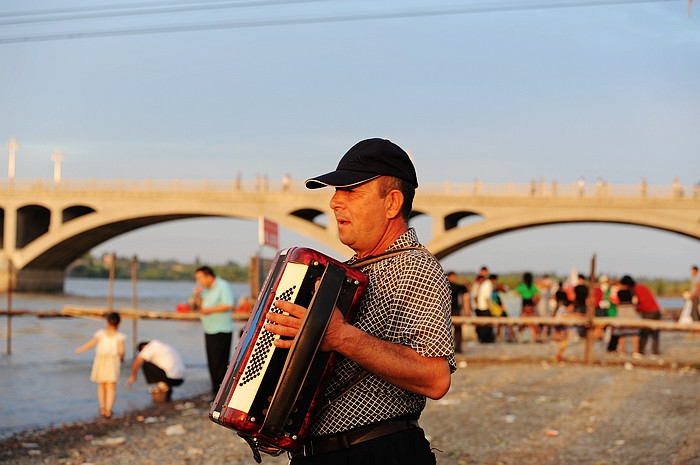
(496, 91)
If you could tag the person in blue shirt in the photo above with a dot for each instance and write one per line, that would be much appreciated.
(214, 299)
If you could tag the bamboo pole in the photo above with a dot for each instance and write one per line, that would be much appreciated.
(601, 322)
(10, 285)
(128, 313)
(142, 314)
(590, 315)
(134, 303)
(112, 268)
(598, 322)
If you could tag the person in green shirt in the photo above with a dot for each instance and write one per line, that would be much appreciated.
(214, 298)
(530, 296)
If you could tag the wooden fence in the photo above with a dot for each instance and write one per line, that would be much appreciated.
(569, 321)
(590, 323)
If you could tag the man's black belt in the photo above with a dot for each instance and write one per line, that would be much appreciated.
(350, 438)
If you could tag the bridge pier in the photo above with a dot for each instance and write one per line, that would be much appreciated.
(40, 281)
(32, 280)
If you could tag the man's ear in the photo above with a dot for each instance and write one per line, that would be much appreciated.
(394, 202)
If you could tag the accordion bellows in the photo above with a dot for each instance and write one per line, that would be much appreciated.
(271, 394)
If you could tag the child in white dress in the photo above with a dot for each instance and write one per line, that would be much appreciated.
(109, 355)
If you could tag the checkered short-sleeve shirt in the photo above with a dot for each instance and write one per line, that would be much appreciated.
(407, 302)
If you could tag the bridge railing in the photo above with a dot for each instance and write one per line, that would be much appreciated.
(553, 189)
(262, 184)
(148, 185)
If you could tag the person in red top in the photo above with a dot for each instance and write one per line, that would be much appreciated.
(649, 309)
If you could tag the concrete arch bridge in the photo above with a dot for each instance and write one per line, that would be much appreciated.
(47, 225)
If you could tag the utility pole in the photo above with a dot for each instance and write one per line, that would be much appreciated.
(12, 146)
(590, 314)
(57, 158)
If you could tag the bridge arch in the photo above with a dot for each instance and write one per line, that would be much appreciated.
(457, 238)
(32, 222)
(312, 215)
(452, 220)
(76, 211)
(74, 238)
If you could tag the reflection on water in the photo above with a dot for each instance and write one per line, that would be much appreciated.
(44, 383)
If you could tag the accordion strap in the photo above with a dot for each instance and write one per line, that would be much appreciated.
(362, 374)
(386, 254)
(349, 384)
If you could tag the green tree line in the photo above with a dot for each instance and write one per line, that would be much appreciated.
(171, 270)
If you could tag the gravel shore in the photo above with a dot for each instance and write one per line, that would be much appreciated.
(509, 404)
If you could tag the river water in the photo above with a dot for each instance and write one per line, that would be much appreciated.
(43, 383)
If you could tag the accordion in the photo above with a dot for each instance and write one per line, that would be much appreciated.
(269, 395)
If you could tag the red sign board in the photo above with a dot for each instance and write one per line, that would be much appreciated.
(268, 233)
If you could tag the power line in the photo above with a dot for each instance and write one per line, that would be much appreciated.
(108, 7)
(113, 11)
(487, 7)
(91, 8)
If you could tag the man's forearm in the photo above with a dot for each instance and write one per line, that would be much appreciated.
(217, 308)
(135, 367)
(397, 364)
(696, 292)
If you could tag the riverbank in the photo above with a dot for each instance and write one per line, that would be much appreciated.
(508, 404)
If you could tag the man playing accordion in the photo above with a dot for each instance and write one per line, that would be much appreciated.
(398, 350)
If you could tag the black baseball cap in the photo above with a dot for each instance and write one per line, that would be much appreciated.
(367, 160)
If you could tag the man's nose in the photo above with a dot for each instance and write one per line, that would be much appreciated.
(336, 200)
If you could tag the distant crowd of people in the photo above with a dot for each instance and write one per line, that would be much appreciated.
(623, 298)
